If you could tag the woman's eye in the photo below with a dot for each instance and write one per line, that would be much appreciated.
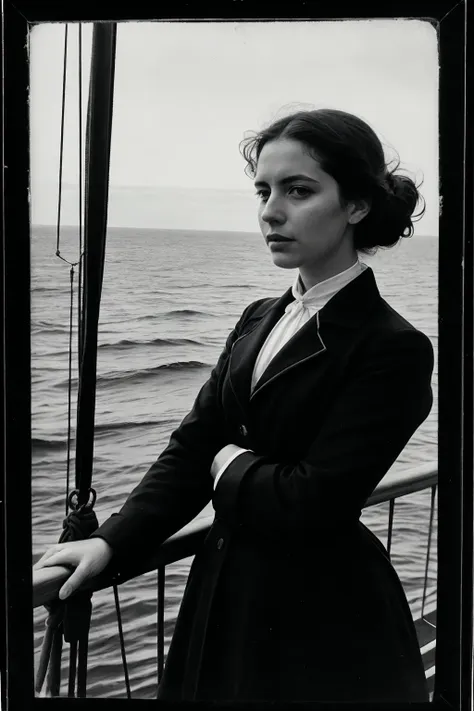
(262, 194)
(299, 191)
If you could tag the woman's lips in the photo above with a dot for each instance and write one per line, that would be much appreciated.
(278, 238)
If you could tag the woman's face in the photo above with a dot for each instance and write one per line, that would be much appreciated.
(300, 213)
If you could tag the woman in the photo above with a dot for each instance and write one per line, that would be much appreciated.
(313, 398)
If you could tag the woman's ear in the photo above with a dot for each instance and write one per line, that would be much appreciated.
(357, 211)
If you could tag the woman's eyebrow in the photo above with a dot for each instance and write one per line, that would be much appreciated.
(288, 179)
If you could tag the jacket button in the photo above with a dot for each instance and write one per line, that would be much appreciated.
(243, 430)
(220, 543)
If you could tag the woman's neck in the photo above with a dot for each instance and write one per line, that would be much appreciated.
(309, 277)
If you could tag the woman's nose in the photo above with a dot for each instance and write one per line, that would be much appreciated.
(272, 211)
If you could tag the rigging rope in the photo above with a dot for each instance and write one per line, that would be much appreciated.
(61, 142)
(61, 151)
(69, 392)
(71, 264)
(81, 254)
(122, 642)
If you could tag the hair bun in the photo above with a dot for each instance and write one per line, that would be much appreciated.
(391, 215)
(402, 196)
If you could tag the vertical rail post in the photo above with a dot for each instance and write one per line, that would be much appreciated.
(160, 622)
(428, 550)
(122, 642)
(390, 525)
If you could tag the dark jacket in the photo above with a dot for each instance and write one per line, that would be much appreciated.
(291, 597)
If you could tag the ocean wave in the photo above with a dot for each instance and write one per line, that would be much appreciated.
(143, 374)
(186, 313)
(127, 343)
(41, 323)
(105, 428)
(180, 287)
(216, 287)
(237, 286)
(37, 329)
(39, 444)
(53, 289)
(156, 370)
(175, 313)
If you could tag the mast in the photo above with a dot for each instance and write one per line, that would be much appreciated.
(97, 163)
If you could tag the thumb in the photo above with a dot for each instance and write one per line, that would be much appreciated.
(80, 574)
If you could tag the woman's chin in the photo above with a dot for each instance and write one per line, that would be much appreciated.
(284, 261)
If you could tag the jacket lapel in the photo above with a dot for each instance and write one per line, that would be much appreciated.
(247, 346)
(331, 329)
(305, 345)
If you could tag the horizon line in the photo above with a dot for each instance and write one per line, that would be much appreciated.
(189, 229)
(122, 186)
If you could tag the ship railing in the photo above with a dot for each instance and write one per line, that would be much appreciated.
(186, 542)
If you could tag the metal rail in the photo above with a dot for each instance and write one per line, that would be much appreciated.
(183, 544)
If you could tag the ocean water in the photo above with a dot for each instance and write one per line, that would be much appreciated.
(169, 299)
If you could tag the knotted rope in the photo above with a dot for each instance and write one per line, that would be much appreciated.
(69, 618)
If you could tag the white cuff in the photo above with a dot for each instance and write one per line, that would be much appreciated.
(224, 466)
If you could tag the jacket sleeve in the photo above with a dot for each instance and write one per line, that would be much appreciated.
(366, 428)
(179, 484)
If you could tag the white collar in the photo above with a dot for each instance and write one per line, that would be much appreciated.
(325, 290)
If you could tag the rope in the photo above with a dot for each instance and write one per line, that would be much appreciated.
(61, 147)
(58, 238)
(44, 659)
(69, 394)
(54, 673)
(122, 643)
(61, 150)
(69, 619)
(82, 667)
(72, 669)
(71, 264)
(53, 621)
(77, 617)
(81, 255)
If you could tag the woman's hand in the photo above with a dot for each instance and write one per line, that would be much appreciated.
(89, 558)
(222, 456)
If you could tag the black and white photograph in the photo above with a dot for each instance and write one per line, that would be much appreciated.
(234, 294)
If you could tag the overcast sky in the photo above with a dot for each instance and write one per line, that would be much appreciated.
(187, 93)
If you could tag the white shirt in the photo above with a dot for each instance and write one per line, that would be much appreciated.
(297, 313)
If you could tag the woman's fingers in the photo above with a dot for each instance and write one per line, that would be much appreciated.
(45, 557)
(74, 582)
(62, 557)
(66, 557)
(88, 557)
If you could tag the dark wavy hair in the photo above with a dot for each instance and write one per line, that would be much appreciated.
(351, 152)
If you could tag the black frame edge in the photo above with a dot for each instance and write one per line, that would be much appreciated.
(37, 11)
(467, 586)
(16, 373)
(453, 325)
(455, 454)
